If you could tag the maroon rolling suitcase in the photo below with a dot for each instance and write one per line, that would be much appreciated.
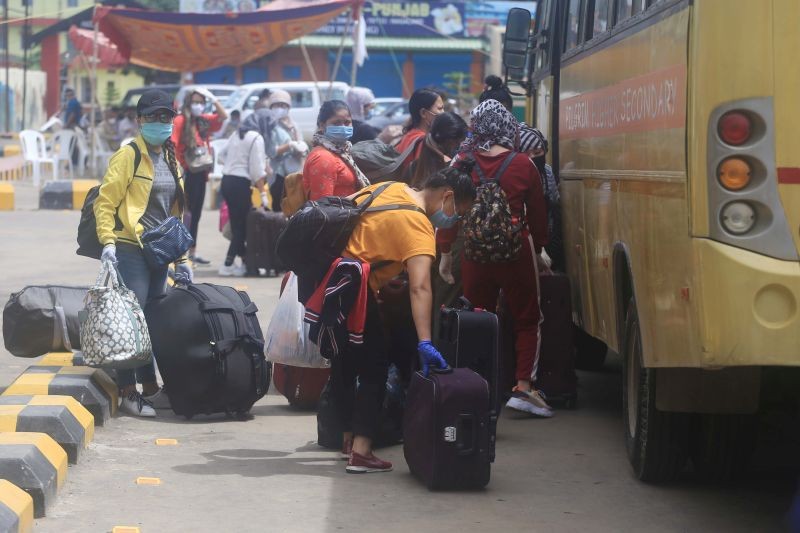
(448, 432)
(302, 387)
(556, 376)
(263, 228)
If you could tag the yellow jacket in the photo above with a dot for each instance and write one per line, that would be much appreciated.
(123, 197)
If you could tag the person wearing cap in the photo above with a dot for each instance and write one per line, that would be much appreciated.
(284, 145)
(361, 101)
(193, 129)
(133, 199)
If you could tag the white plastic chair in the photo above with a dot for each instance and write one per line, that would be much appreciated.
(84, 151)
(64, 142)
(34, 151)
(102, 153)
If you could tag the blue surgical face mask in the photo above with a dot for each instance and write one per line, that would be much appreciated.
(155, 133)
(338, 133)
(442, 220)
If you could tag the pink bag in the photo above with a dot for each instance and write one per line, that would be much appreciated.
(224, 220)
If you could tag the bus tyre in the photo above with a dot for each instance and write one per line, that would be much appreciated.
(721, 445)
(657, 441)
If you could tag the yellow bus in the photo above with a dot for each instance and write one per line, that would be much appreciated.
(674, 127)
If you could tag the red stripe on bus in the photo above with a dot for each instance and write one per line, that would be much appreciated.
(789, 175)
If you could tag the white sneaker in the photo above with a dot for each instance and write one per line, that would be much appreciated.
(135, 405)
(226, 270)
(159, 400)
(530, 402)
(239, 270)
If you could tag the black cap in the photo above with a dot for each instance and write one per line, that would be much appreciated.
(154, 100)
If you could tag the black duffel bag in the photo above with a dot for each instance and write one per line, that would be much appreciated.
(209, 348)
(41, 319)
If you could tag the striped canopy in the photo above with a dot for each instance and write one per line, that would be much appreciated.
(191, 42)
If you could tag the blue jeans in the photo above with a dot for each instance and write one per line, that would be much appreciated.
(146, 283)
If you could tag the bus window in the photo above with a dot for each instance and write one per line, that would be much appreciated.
(573, 24)
(542, 23)
(601, 17)
(624, 10)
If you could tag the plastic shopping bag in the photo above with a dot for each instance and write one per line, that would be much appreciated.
(286, 340)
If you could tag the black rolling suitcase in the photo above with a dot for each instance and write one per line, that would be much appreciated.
(556, 376)
(263, 228)
(209, 349)
(469, 338)
(449, 429)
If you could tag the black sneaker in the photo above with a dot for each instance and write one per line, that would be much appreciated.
(199, 260)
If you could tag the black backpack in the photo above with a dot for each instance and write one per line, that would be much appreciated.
(88, 243)
(380, 161)
(490, 233)
(318, 233)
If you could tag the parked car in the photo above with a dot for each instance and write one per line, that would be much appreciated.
(132, 96)
(221, 91)
(389, 111)
(306, 100)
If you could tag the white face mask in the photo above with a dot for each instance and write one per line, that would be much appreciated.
(280, 112)
(197, 109)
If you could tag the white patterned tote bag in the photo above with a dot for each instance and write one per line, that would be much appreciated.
(113, 329)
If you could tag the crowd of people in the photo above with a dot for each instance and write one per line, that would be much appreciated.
(449, 162)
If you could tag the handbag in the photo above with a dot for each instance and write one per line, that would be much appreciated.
(199, 159)
(113, 330)
(166, 243)
(287, 340)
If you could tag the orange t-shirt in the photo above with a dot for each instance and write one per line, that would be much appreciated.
(396, 235)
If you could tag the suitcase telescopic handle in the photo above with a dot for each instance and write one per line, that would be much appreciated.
(467, 434)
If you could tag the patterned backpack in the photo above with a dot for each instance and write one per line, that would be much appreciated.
(491, 234)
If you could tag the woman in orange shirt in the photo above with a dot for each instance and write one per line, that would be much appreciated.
(329, 169)
(423, 106)
(400, 239)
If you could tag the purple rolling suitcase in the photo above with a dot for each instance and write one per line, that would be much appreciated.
(448, 430)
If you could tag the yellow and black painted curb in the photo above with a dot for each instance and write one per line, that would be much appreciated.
(35, 463)
(62, 359)
(60, 417)
(16, 509)
(65, 194)
(6, 196)
(10, 149)
(91, 387)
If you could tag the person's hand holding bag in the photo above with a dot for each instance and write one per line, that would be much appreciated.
(109, 254)
(183, 273)
(429, 357)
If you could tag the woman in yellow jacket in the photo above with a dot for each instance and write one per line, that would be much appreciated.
(133, 199)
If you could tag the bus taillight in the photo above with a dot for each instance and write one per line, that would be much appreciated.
(735, 128)
(734, 173)
(738, 217)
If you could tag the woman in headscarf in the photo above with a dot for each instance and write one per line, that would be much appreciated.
(329, 169)
(495, 138)
(284, 144)
(191, 134)
(361, 100)
(244, 166)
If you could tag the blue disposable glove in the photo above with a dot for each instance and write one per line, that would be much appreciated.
(183, 273)
(109, 254)
(429, 357)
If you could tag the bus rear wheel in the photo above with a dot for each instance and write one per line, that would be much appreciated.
(657, 441)
(721, 445)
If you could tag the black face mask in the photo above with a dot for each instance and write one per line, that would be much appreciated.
(540, 162)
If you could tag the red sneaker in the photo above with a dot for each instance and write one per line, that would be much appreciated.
(347, 449)
(360, 464)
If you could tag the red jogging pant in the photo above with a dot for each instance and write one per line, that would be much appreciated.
(520, 283)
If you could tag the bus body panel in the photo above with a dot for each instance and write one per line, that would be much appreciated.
(622, 116)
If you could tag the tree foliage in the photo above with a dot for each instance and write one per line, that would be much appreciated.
(162, 5)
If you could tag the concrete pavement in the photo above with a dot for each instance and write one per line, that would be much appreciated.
(569, 473)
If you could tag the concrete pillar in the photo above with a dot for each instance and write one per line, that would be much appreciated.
(477, 72)
(51, 64)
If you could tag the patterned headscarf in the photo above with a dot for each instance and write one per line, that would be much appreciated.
(343, 150)
(531, 139)
(491, 124)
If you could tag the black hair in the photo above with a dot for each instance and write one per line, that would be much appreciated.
(421, 99)
(447, 126)
(330, 108)
(236, 112)
(496, 90)
(266, 93)
(458, 178)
